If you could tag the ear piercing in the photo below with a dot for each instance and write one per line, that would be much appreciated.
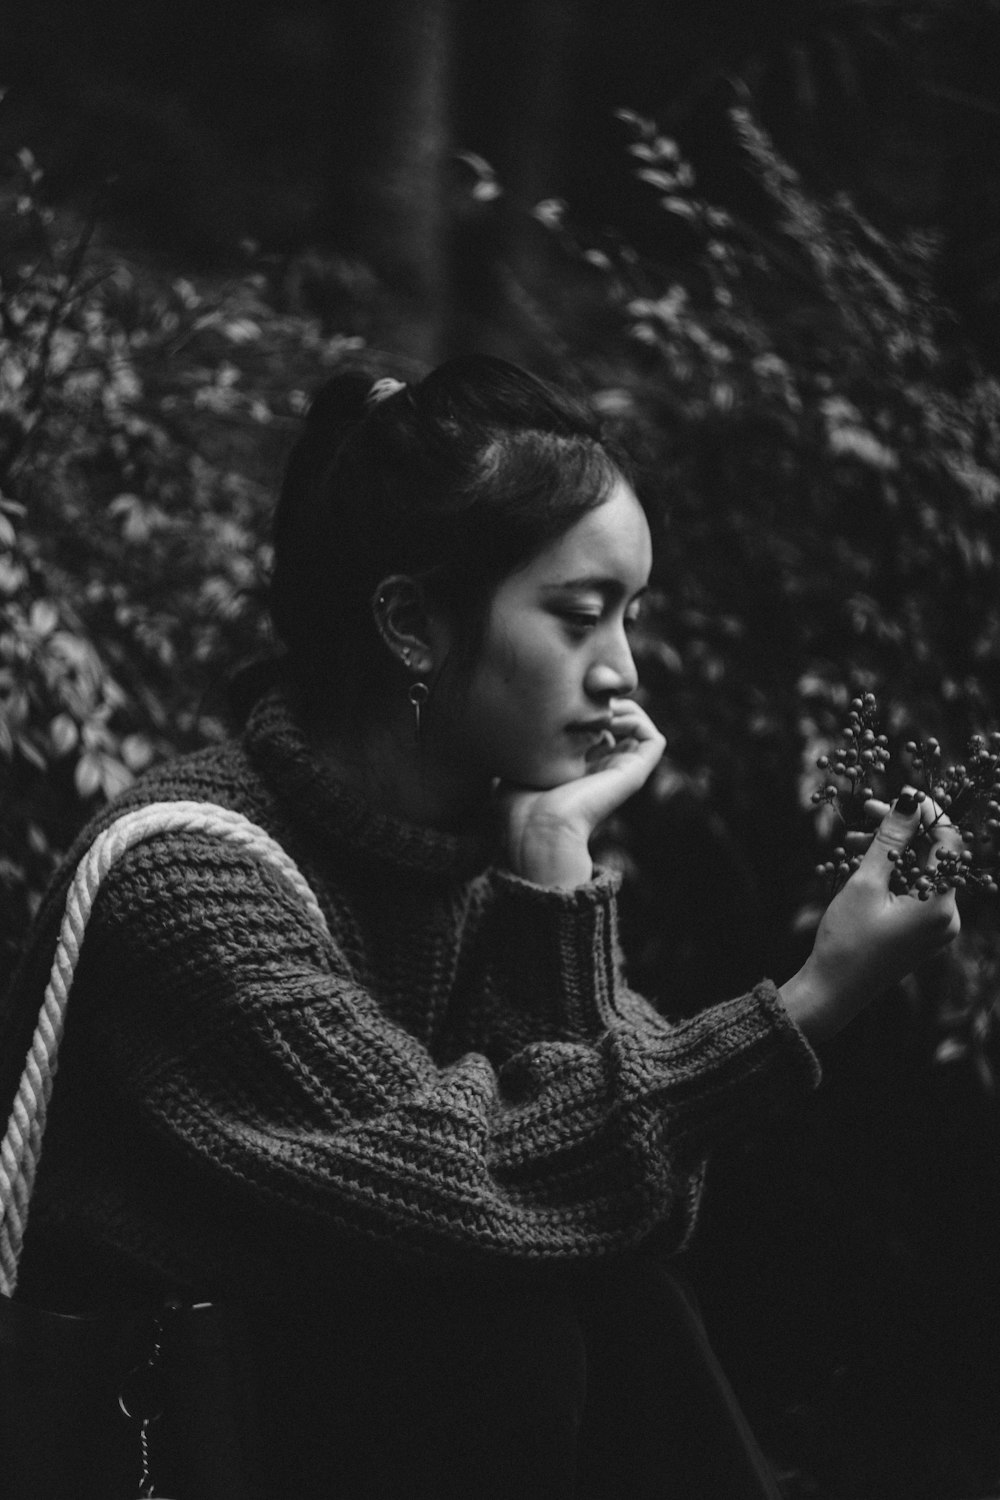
(418, 695)
(418, 692)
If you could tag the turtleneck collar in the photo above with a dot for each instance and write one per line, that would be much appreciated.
(332, 810)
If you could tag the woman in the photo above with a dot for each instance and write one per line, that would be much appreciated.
(439, 1162)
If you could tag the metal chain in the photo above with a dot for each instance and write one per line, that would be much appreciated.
(141, 1398)
(147, 1489)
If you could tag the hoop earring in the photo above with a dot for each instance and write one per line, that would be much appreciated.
(418, 695)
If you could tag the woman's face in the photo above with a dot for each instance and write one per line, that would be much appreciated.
(555, 652)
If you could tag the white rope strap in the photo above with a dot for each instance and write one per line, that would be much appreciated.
(22, 1145)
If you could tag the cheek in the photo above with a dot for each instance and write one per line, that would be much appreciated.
(525, 685)
(518, 700)
(503, 661)
(505, 674)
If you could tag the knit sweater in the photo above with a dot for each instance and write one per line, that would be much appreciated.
(460, 1071)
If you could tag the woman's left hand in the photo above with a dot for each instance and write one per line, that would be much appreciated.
(547, 833)
(871, 936)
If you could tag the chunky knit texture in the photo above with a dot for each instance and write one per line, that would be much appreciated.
(461, 1073)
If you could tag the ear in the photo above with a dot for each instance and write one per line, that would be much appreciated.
(401, 615)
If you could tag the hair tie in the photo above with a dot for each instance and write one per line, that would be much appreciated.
(384, 388)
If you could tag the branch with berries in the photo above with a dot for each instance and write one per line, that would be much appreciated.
(856, 772)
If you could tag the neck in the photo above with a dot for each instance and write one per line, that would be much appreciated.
(403, 778)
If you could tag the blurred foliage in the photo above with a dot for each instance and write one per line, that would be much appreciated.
(280, 121)
(823, 455)
(143, 421)
(822, 451)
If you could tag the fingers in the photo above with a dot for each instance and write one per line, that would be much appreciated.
(893, 833)
(632, 749)
(939, 918)
(632, 730)
(940, 830)
(931, 819)
(629, 719)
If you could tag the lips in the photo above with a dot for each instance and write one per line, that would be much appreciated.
(596, 733)
(592, 726)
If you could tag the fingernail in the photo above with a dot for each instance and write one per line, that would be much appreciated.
(906, 803)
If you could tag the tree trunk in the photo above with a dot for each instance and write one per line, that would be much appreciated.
(518, 75)
(398, 144)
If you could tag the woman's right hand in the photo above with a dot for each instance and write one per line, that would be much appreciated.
(870, 937)
(546, 833)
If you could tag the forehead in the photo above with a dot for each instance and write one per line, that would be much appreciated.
(611, 543)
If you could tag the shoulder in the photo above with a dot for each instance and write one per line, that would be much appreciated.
(192, 861)
(220, 775)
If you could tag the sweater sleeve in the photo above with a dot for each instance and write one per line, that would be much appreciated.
(556, 954)
(246, 1041)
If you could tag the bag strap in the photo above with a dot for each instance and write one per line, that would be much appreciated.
(21, 1148)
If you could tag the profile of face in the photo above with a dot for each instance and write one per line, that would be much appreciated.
(555, 652)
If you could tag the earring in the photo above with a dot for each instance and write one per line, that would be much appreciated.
(418, 695)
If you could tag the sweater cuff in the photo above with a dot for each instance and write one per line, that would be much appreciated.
(806, 1066)
(559, 949)
(750, 1040)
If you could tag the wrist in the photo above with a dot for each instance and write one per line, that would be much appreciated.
(560, 863)
(812, 1005)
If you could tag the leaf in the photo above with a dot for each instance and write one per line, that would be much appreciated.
(550, 212)
(667, 181)
(137, 751)
(641, 123)
(114, 776)
(37, 841)
(87, 775)
(31, 752)
(43, 617)
(12, 576)
(241, 331)
(64, 734)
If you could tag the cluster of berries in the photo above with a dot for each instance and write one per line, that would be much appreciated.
(861, 753)
(967, 793)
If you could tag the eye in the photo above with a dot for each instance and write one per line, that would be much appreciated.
(580, 619)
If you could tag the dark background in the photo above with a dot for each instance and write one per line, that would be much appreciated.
(336, 126)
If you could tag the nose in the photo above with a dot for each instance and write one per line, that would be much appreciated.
(613, 673)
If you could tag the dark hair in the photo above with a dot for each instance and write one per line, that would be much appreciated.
(456, 480)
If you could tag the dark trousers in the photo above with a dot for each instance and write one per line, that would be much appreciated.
(599, 1386)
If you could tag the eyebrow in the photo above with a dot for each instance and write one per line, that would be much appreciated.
(610, 588)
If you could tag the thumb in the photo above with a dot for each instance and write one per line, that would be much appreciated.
(894, 832)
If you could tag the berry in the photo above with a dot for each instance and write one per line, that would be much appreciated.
(968, 792)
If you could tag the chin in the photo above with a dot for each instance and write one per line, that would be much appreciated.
(544, 778)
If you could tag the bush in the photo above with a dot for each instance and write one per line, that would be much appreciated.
(823, 455)
(143, 424)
